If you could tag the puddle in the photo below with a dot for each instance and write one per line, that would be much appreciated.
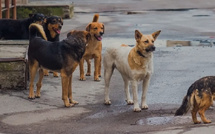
(163, 120)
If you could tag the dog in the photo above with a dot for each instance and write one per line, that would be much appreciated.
(199, 98)
(18, 29)
(52, 27)
(61, 56)
(134, 63)
(93, 49)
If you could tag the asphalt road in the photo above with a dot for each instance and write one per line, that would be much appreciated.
(175, 69)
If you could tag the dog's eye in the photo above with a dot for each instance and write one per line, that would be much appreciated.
(95, 28)
(146, 41)
(153, 41)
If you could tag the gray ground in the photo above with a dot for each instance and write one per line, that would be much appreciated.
(176, 68)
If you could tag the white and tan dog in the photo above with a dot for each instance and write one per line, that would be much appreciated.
(135, 64)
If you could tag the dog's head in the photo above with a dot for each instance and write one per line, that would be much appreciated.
(82, 36)
(54, 25)
(37, 18)
(96, 28)
(145, 43)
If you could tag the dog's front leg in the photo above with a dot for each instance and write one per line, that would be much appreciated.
(70, 92)
(88, 67)
(81, 68)
(96, 72)
(145, 86)
(135, 96)
(65, 87)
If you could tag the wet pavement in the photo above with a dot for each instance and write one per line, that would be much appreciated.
(175, 69)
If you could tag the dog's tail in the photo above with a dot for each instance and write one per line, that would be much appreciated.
(96, 18)
(36, 30)
(185, 106)
(188, 102)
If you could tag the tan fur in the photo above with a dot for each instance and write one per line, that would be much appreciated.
(40, 28)
(93, 50)
(135, 64)
(200, 105)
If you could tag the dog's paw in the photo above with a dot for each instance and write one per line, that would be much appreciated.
(144, 107)
(97, 79)
(37, 96)
(55, 74)
(107, 102)
(73, 102)
(69, 105)
(207, 121)
(88, 74)
(197, 122)
(82, 78)
(137, 109)
(129, 102)
(31, 96)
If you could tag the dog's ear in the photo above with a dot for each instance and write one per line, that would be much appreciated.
(103, 28)
(69, 33)
(138, 35)
(31, 15)
(88, 36)
(155, 34)
(88, 28)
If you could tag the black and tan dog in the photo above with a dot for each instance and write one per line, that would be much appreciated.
(19, 29)
(62, 56)
(199, 98)
(52, 29)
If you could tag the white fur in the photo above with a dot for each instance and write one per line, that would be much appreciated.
(117, 57)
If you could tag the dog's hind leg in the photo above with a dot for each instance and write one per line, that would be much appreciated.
(108, 71)
(39, 83)
(206, 102)
(194, 111)
(100, 65)
(88, 67)
(32, 69)
(97, 63)
(70, 92)
(135, 96)
(127, 92)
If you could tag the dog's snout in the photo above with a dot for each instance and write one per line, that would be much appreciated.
(153, 48)
(101, 33)
(60, 26)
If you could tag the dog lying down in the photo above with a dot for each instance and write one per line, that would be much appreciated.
(61, 56)
(135, 64)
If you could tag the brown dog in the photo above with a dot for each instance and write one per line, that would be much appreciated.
(93, 49)
(199, 98)
(61, 56)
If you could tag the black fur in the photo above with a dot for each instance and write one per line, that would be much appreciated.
(18, 29)
(54, 55)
